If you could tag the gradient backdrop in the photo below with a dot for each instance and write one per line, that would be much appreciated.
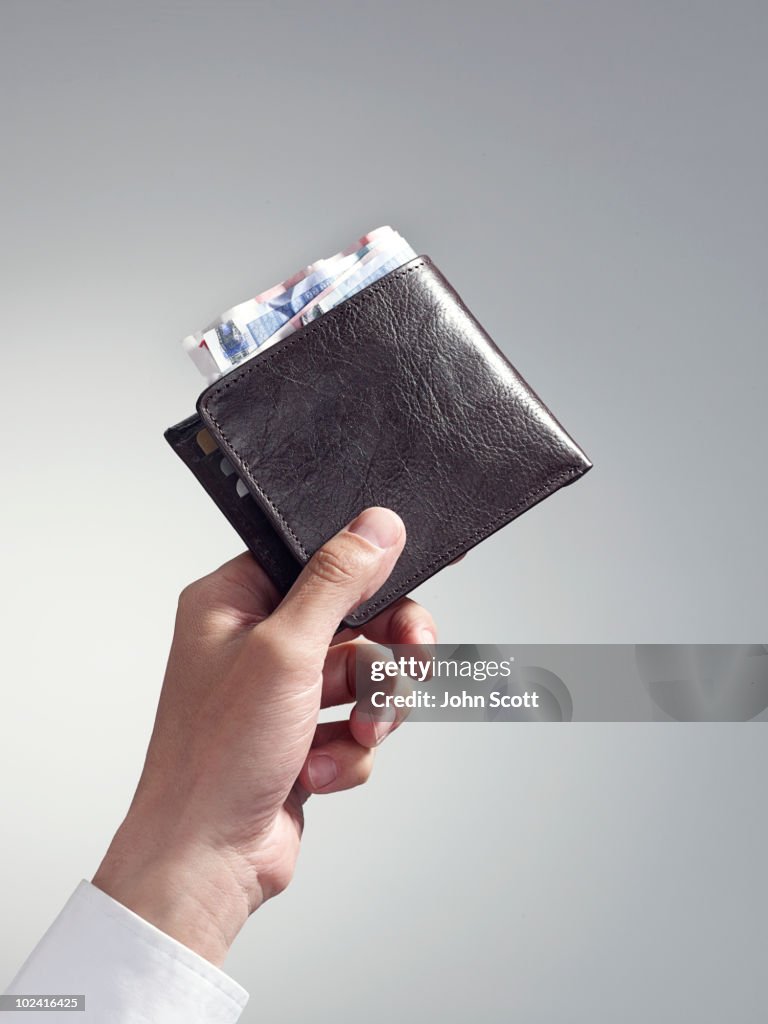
(591, 176)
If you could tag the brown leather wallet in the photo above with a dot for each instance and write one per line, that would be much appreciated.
(395, 397)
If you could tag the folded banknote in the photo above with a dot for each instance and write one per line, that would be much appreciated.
(242, 331)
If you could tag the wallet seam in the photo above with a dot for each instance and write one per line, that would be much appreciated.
(505, 516)
(352, 302)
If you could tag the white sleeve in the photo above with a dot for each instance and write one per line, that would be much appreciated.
(129, 971)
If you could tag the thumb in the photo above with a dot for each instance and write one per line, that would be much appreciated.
(343, 573)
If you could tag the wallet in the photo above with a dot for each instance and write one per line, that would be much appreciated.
(395, 397)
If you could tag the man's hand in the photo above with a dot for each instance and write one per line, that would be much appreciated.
(215, 824)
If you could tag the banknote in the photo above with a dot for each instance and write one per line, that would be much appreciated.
(378, 234)
(243, 330)
(322, 269)
(369, 269)
(268, 316)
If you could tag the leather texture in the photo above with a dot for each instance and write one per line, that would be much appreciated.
(396, 397)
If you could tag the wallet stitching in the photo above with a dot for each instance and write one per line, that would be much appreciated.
(246, 469)
(480, 532)
(352, 302)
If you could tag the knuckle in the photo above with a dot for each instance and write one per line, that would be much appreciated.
(191, 596)
(199, 596)
(337, 564)
(269, 643)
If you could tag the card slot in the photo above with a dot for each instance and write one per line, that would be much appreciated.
(242, 512)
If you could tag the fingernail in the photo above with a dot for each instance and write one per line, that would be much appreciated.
(383, 723)
(381, 730)
(426, 647)
(322, 771)
(380, 526)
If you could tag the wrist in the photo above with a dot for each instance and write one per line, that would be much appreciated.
(187, 890)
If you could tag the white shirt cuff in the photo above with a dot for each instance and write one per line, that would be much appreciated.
(129, 971)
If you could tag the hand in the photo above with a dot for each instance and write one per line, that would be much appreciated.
(215, 825)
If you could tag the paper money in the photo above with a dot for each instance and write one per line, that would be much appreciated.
(370, 269)
(242, 331)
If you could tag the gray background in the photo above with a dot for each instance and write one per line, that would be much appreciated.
(591, 176)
